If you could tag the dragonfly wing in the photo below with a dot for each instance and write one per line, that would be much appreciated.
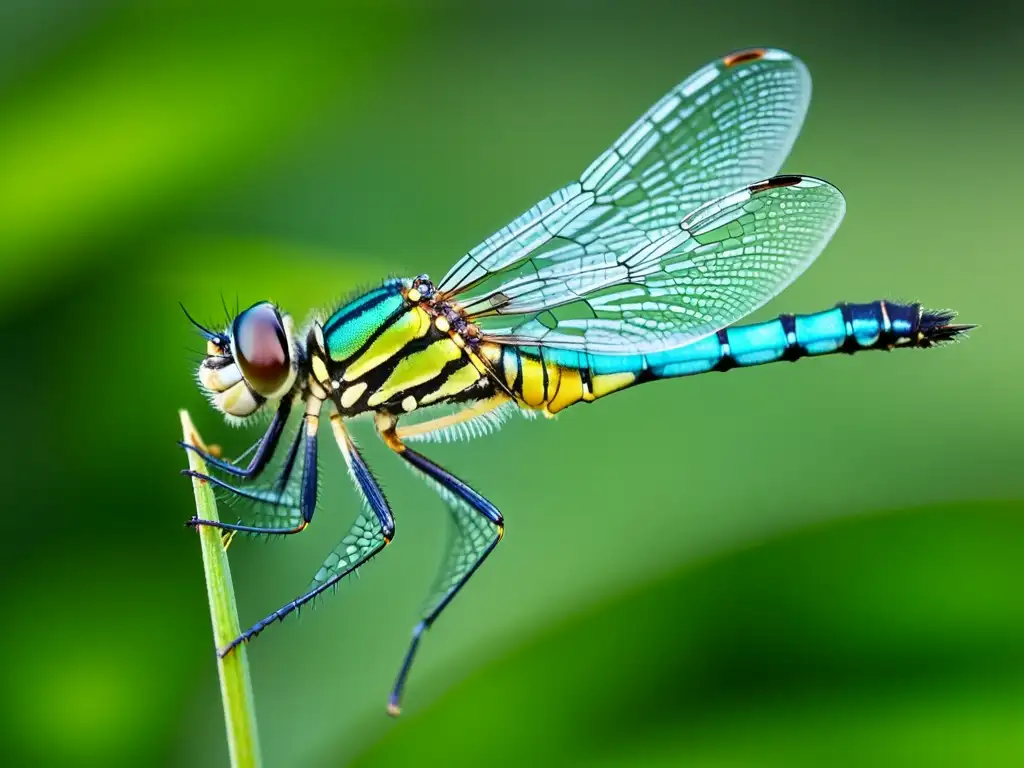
(730, 123)
(723, 261)
(517, 240)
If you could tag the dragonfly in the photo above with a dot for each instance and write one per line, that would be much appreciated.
(637, 271)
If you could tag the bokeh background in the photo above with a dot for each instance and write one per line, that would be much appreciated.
(786, 566)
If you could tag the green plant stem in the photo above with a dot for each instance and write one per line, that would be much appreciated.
(235, 685)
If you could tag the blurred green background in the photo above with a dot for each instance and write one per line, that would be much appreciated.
(791, 565)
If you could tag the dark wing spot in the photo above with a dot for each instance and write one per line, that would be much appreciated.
(498, 300)
(774, 183)
(742, 57)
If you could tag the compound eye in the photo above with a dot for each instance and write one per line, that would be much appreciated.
(261, 348)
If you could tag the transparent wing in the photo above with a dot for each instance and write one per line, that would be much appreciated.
(723, 261)
(364, 540)
(729, 124)
(471, 536)
(267, 504)
(263, 506)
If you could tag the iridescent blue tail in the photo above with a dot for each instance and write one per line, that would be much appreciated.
(847, 328)
(554, 379)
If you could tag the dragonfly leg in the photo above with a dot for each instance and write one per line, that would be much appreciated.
(276, 496)
(264, 449)
(479, 527)
(368, 535)
(307, 499)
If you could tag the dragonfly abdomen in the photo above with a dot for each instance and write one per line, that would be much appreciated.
(553, 379)
(846, 328)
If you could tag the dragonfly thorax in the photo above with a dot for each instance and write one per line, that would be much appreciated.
(447, 314)
(397, 348)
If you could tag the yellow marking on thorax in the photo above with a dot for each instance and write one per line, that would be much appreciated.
(352, 394)
(461, 380)
(485, 358)
(415, 369)
(320, 370)
(477, 362)
(412, 325)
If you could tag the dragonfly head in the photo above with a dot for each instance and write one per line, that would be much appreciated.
(250, 362)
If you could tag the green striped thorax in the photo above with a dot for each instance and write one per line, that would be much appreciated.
(350, 327)
(393, 348)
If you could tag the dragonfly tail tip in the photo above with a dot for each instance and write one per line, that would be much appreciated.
(937, 326)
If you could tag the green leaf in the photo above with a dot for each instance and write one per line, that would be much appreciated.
(881, 640)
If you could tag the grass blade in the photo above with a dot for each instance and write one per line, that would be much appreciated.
(235, 685)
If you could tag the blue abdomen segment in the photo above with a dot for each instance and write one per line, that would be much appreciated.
(846, 328)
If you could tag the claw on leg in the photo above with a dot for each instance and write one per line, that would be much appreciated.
(213, 449)
(226, 650)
